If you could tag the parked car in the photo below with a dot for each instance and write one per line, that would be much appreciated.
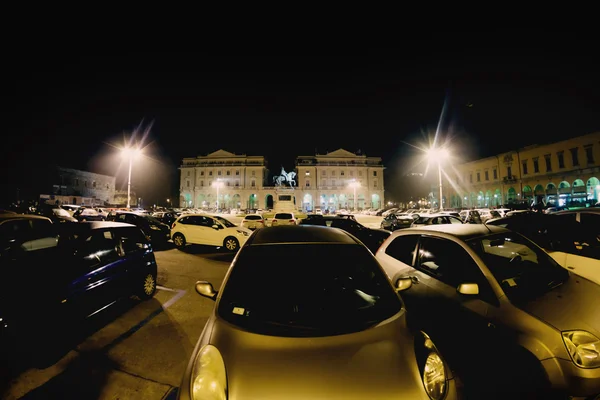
(102, 211)
(392, 221)
(83, 214)
(156, 232)
(470, 217)
(512, 326)
(88, 268)
(55, 213)
(253, 221)
(572, 244)
(24, 233)
(210, 230)
(436, 219)
(284, 218)
(328, 325)
(372, 238)
(166, 217)
(589, 218)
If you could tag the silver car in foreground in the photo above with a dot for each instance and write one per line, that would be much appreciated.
(510, 320)
(306, 312)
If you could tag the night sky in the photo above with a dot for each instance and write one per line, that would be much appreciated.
(487, 92)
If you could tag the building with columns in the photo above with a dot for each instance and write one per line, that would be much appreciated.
(560, 173)
(329, 181)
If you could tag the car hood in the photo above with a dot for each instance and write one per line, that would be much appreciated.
(572, 305)
(375, 363)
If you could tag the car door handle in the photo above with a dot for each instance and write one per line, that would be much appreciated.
(571, 267)
(414, 279)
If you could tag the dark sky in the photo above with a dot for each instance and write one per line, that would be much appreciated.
(493, 90)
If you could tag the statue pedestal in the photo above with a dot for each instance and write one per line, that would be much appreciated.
(285, 200)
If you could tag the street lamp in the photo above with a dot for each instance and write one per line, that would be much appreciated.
(438, 154)
(130, 153)
(168, 203)
(217, 184)
(354, 184)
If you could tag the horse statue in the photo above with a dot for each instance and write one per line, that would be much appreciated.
(277, 180)
(290, 178)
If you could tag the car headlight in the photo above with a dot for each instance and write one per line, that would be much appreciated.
(154, 227)
(243, 232)
(583, 347)
(209, 379)
(434, 376)
(431, 367)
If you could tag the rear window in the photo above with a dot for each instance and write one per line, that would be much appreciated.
(283, 216)
(253, 217)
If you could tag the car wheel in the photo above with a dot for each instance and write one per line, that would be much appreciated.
(179, 240)
(148, 286)
(231, 244)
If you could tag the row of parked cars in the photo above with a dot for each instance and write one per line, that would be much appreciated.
(435, 311)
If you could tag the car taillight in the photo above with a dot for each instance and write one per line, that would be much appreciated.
(173, 226)
(273, 222)
(292, 221)
(261, 221)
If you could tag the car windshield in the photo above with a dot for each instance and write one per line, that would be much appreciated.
(227, 223)
(320, 290)
(524, 271)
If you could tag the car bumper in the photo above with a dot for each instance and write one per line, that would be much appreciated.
(578, 383)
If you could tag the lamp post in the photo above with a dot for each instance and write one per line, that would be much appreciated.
(168, 203)
(217, 184)
(130, 153)
(354, 184)
(438, 154)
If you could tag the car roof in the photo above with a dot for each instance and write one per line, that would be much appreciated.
(89, 226)
(462, 231)
(297, 234)
(594, 210)
(9, 216)
(436, 215)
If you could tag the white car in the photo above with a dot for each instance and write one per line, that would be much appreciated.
(253, 221)
(284, 218)
(210, 230)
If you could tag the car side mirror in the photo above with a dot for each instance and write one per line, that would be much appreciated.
(216, 227)
(206, 289)
(468, 288)
(403, 284)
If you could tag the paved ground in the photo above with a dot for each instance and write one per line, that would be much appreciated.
(133, 350)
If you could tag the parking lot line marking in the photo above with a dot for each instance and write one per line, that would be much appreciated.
(143, 322)
(166, 288)
(173, 299)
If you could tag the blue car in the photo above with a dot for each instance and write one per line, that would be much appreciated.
(91, 266)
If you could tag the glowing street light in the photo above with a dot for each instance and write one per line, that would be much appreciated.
(168, 203)
(217, 184)
(130, 153)
(438, 154)
(354, 184)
